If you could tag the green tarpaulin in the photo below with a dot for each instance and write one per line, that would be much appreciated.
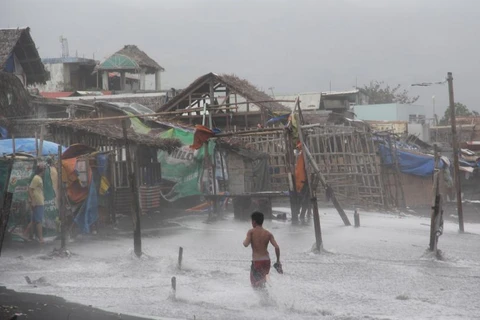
(20, 178)
(184, 166)
(22, 174)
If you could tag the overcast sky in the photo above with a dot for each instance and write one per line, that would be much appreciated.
(293, 46)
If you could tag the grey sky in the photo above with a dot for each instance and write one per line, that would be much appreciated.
(293, 46)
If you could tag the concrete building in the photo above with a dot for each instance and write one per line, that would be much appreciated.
(340, 101)
(308, 100)
(69, 74)
(395, 117)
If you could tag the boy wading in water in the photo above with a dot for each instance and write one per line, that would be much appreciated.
(259, 239)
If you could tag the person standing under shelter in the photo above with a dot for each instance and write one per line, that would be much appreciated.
(37, 204)
(259, 238)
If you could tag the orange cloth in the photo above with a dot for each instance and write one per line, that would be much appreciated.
(75, 191)
(300, 173)
(201, 135)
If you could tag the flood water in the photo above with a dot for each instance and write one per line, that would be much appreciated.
(378, 271)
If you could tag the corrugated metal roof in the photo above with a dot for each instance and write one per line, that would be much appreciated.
(55, 95)
(69, 60)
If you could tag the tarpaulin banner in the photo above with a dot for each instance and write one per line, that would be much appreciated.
(20, 178)
(184, 166)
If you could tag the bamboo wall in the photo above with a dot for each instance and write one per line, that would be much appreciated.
(347, 158)
(345, 155)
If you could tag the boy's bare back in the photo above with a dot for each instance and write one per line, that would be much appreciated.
(259, 239)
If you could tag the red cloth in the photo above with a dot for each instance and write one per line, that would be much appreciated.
(201, 135)
(258, 272)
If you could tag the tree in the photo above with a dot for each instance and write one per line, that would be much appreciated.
(461, 110)
(379, 92)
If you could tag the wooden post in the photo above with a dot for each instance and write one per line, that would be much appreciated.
(111, 198)
(36, 145)
(356, 217)
(42, 136)
(293, 196)
(435, 201)
(313, 198)
(13, 145)
(61, 208)
(180, 257)
(137, 237)
(174, 287)
(5, 210)
(455, 152)
(214, 177)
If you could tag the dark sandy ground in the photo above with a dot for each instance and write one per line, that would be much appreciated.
(39, 307)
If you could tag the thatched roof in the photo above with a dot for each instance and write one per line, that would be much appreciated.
(130, 58)
(235, 84)
(14, 98)
(19, 42)
(115, 132)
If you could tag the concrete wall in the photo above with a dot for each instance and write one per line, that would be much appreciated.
(420, 130)
(236, 172)
(387, 112)
(405, 110)
(56, 82)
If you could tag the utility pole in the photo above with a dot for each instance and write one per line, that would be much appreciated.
(458, 187)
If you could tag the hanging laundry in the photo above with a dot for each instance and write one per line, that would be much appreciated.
(201, 135)
(300, 174)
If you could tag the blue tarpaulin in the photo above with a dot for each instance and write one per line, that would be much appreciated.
(27, 145)
(3, 133)
(411, 163)
(279, 118)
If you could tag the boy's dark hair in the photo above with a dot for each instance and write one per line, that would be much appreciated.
(40, 168)
(257, 216)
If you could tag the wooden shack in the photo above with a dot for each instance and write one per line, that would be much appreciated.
(109, 138)
(244, 106)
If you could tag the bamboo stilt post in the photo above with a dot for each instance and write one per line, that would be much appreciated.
(137, 237)
(313, 198)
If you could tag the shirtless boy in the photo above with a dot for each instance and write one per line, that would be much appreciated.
(259, 239)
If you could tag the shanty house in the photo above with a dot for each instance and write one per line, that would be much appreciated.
(106, 137)
(226, 101)
(131, 60)
(19, 56)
